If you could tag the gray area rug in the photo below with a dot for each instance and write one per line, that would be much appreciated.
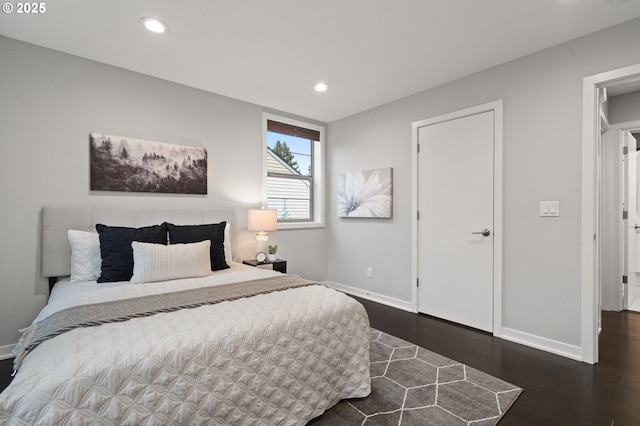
(413, 386)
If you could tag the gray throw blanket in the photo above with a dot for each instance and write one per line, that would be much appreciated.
(122, 310)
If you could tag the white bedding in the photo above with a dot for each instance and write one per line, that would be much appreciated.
(66, 293)
(278, 358)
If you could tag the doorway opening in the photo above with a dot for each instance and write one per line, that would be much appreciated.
(619, 218)
(594, 92)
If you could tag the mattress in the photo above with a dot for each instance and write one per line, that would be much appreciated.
(278, 358)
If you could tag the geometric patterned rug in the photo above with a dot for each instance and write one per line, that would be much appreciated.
(413, 386)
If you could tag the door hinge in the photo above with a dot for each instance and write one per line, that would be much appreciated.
(417, 282)
(418, 148)
(625, 214)
(625, 150)
(624, 279)
(418, 215)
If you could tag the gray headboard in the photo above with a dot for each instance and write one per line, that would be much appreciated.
(56, 221)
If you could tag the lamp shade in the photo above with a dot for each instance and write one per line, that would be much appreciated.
(262, 220)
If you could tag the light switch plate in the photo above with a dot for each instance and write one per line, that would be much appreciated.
(549, 208)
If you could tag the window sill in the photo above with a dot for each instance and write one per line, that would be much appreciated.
(299, 225)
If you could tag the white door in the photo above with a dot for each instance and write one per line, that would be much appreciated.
(630, 203)
(618, 220)
(611, 225)
(455, 226)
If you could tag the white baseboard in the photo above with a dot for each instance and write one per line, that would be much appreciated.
(542, 343)
(374, 297)
(526, 339)
(5, 351)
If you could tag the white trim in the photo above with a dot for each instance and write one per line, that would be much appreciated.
(497, 217)
(319, 186)
(374, 297)
(627, 125)
(300, 225)
(589, 317)
(590, 133)
(542, 343)
(497, 108)
(5, 352)
(531, 340)
(414, 216)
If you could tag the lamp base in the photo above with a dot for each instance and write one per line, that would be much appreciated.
(262, 242)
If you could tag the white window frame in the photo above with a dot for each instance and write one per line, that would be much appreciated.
(318, 179)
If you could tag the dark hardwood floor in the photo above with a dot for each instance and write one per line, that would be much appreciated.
(557, 391)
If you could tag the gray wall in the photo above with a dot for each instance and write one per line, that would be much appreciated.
(542, 96)
(624, 108)
(50, 102)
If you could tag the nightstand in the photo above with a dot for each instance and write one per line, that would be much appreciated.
(279, 265)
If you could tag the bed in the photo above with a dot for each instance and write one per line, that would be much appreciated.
(240, 345)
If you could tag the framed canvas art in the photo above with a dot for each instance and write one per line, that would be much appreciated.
(366, 193)
(133, 165)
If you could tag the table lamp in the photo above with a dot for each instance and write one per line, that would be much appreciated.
(262, 220)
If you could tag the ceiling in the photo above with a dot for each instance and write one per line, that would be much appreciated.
(272, 53)
(622, 88)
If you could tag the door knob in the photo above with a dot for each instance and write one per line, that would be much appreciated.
(485, 232)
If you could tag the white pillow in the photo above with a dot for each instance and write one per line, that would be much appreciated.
(86, 261)
(227, 245)
(159, 262)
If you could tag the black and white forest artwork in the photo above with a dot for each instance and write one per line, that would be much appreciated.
(133, 165)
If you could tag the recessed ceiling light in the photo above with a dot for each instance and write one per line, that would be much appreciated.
(154, 25)
(321, 87)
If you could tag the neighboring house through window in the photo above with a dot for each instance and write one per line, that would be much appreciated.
(294, 171)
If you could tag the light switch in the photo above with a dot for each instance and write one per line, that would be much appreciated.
(549, 208)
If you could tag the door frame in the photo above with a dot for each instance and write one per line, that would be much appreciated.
(590, 284)
(497, 108)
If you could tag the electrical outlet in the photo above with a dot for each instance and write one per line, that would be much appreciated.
(369, 272)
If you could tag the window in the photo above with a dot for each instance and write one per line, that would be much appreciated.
(294, 170)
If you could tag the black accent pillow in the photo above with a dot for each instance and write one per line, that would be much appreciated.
(195, 233)
(116, 251)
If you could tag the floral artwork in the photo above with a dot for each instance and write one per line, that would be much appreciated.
(132, 165)
(365, 194)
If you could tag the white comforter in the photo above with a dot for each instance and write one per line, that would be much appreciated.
(280, 358)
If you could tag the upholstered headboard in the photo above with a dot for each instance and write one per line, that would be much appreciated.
(56, 221)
